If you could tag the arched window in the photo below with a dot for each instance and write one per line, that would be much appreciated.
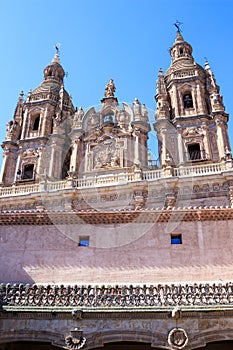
(36, 123)
(188, 101)
(194, 151)
(28, 172)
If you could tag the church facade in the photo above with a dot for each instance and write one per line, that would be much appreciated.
(101, 247)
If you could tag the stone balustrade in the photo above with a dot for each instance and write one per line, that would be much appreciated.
(152, 174)
(19, 190)
(184, 74)
(115, 179)
(200, 169)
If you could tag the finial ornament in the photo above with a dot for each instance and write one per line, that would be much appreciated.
(177, 25)
(56, 58)
(57, 47)
(110, 89)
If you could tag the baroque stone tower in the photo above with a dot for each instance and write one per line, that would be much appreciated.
(190, 118)
(35, 120)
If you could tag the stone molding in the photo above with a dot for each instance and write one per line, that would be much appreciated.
(118, 331)
(92, 216)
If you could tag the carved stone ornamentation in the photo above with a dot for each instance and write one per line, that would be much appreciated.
(177, 338)
(106, 155)
(231, 195)
(110, 89)
(170, 200)
(12, 130)
(30, 152)
(78, 117)
(192, 132)
(75, 340)
(77, 296)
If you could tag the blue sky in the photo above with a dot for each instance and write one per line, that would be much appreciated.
(125, 40)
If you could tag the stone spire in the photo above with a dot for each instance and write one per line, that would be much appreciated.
(162, 110)
(160, 84)
(211, 82)
(18, 115)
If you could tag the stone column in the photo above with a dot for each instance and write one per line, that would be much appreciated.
(44, 122)
(40, 170)
(8, 167)
(55, 167)
(180, 144)
(136, 147)
(195, 104)
(163, 133)
(4, 160)
(175, 101)
(17, 167)
(74, 155)
(206, 142)
(87, 159)
(200, 108)
(25, 121)
(144, 151)
(220, 138)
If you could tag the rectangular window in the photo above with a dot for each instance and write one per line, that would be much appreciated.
(84, 241)
(176, 239)
(28, 172)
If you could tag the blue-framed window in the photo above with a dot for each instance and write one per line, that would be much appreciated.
(84, 241)
(176, 239)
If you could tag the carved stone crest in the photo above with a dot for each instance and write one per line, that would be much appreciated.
(192, 132)
(177, 338)
(106, 155)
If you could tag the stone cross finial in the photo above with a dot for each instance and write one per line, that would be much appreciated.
(110, 89)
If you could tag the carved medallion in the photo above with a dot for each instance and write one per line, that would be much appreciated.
(177, 338)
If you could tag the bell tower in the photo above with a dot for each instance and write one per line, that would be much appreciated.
(36, 121)
(191, 122)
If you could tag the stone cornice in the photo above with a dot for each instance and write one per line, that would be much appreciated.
(7, 312)
(91, 216)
